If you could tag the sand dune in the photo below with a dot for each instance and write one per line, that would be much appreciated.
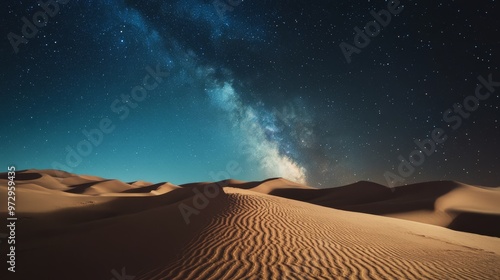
(241, 233)
(263, 237)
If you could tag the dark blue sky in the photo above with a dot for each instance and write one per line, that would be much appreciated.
(259, 90)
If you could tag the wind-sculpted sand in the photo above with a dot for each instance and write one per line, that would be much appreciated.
(262, 237)
(75, 227)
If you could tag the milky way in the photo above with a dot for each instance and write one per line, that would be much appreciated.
(252, 90)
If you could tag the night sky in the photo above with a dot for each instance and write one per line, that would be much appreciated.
(193, 90)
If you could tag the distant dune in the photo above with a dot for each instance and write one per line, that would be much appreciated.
(85, 227)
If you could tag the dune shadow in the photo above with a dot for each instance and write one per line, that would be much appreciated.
(479, 223)
(372, 198)
(145, 189)
(21, 176)
(80, 188)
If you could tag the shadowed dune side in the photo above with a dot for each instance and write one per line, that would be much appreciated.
(22, 175)
(106, 186)
(265, 186)
(270, 185)
(357, 193)
(258, 236)
(83, 184)
(82, 188)
(52, 179)
(53, 210)
(155, 188)
(43, 180)
(474, 223)
(139, 184)
(225, 183)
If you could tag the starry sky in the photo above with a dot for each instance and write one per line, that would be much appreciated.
(201, 90)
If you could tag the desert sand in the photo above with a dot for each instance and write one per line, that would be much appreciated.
(85, 227)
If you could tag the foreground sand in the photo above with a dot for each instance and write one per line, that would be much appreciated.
(74, 227)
